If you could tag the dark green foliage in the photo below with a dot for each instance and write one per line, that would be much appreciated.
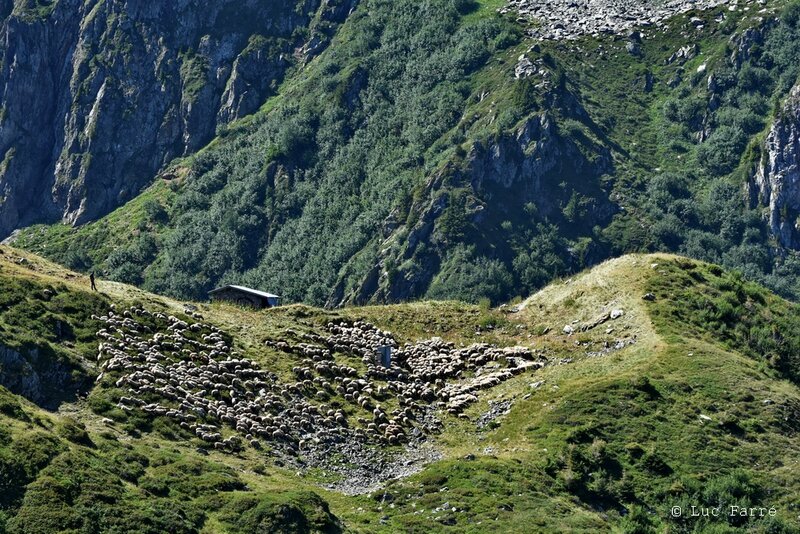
(791, 14)
(720, 153)
(590, 472)
(155, 211)
(490, 490)
(453, 224)
(525, 96)
(21, 460)
(131, 465)
(287, 200)
(67, 483)
(688, 111)
(638, 521)
(737, 489)
(541, 260)
(49, 486)
(301, 512)
(51, 313)
(10, 406)
(468, 277)
(125, 262)
(293, 225)
(189, 478)
(77, 492)
(75, 432)
(693, 212)
(194, 73)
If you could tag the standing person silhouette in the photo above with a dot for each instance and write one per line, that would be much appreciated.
(91, 280)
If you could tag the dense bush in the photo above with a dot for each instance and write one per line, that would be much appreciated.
(281, 512)
(10, 407)
(721, 152)
(21, 462)
(240, 227)
(36, 320)
(289, 205)
(698, 212)
(734, 489)
(468, 277)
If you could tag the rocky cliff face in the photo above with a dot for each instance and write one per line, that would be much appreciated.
(777, 178)
(502, 175)
(96, 96)
(37, 376)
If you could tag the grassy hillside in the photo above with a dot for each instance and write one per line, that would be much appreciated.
(391, 168)
(688, 397)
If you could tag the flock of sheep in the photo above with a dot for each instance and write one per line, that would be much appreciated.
(340, 390)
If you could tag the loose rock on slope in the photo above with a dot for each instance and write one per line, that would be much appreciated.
(568, 19)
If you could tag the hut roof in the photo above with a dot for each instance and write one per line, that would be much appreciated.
(245, 290)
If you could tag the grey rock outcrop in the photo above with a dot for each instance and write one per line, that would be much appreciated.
(684, 54)
(741, 44)
(532, 161)
(777, 178)
(253, 75)
(568, 19)
(35, 375)
(523, 159)
(97, 97)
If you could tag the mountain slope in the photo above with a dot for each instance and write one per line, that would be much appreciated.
(99, 95)
(383, 171)
(686, 397)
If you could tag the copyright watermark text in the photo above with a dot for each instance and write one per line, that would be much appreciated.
(720, 511)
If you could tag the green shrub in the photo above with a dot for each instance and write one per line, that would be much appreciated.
(735, 312)
(791, 14)
(280, 512)
(74, 431)
(155, 211)
(10, 406)
(131, 465)
(469, 277)
(721, 152)
(21, 462)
